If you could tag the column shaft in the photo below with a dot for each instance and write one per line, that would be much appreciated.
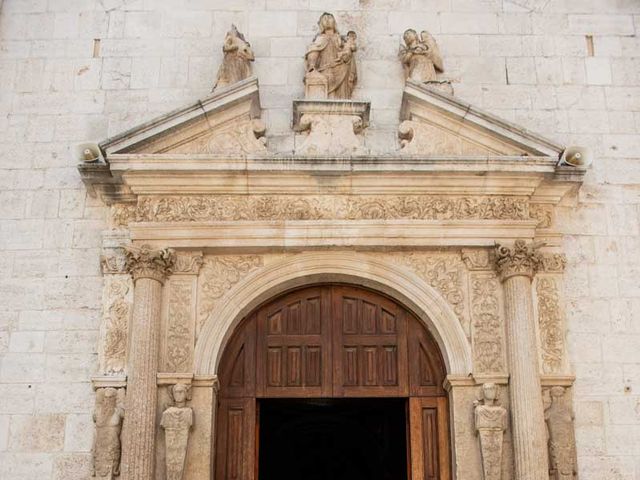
(527, 413)
(138, 431)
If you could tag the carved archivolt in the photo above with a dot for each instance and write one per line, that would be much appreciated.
(117, 301)
(446, 274)
(550, 325)
(286, 207)
(487, 329)
(218, 275)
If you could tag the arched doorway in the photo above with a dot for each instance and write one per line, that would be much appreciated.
(318, 354)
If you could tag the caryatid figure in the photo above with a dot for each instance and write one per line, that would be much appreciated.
(420, 57)
(562, 443)
(236, 63)
(330, 62)
(107, 417)
(490, 422)
(177, 421)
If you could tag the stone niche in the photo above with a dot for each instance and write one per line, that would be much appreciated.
(218, 224)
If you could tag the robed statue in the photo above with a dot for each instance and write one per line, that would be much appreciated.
(330, 62)
(177, 421)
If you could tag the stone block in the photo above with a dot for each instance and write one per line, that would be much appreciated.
(469, 23)
(621, 349)
(598, 70)
(501, 45)
(271, 24)
(25, 466)
(601, 24)
(623, 98)
(39, 433)
(71, 466)
(78, 436)
(22, 368)
(424, 20)
(590, 440)
(549, 70)
(185, 24)
(27, 342)
(16, 399)
(116, 73)
(142, 24)
(589, 413)
(473, 71)
(521, 70)
(76, 341)
(624, 410)
(578, 342)
(65, 397)
(69, 367)
(4, 432)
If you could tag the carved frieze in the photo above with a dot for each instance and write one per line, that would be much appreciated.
(550, 325)
(117, 300)
(445, 273)
(487, 332)
(218, 275)
(121, 214)
(543, 213)
(341, 207)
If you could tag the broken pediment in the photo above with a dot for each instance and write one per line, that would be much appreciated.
(225, 122)
(434, 123)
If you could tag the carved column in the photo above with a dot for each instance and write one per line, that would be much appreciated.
(516, 267)
(149, 269)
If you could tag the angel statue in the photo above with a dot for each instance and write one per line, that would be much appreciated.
(420, 57)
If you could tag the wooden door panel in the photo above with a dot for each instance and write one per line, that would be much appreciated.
(429, 438)
(369, 345)
(236, 447)
(237, 367)
(426, 372)
(294, 345)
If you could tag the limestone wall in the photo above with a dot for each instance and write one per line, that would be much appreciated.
(77, 70)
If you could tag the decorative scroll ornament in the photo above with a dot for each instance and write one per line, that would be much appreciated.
(543, 213)
(287, 207)
(487, 329)
(122, 214)
(561, 436)
(107, 417)
(521, 259)
(116, 314)
(554, 262)
(550, 322)
(178, 323)
(236, 64)
(218, 275)
(177, 421)
(114, 262)
(188, 263)
(146, 262)
(444, 273)
(490, 423)
(478, 259)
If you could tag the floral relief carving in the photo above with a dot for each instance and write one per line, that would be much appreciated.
(121, 214)
(188, 263)
(487, 329)
(218, 275)
(478, 259)
(445, 274)
(147, 262)
(550, 325)
(543, 213)
(114, 262)
(286, 207)
(117, 301)
(179, 332)
(554, 262)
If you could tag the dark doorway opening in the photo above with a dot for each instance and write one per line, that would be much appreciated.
(333, 439)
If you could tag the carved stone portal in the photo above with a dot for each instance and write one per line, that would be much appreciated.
(176, 422)
(330, 62)
(561, 437)
(236, 64)
(490, 424)
(107, 417)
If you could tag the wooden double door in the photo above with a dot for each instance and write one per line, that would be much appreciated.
(331, 341)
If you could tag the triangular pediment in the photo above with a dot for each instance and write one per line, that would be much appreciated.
(435, 123)
(225, 122)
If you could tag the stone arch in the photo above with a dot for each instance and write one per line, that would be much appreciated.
(345, 267)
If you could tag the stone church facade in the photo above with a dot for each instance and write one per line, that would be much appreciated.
(210, 207)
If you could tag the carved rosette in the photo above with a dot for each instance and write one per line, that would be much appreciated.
(146, 262)
(521, 259)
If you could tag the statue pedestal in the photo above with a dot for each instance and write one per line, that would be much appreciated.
(333, 127)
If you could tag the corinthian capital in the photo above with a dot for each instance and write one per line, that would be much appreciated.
(521, 259)
(146, 262)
